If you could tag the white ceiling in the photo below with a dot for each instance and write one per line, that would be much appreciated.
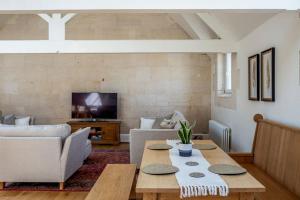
(242, 24)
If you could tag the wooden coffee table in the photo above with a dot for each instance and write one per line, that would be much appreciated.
(241, 187)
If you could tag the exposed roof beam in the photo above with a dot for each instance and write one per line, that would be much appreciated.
(57, 22)
(116, 46)
(68, 17)
(46, 6)
(178, 18)
(45, 17)
(218, 27)
(194, 26)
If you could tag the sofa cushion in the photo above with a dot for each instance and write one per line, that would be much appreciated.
(62, 130)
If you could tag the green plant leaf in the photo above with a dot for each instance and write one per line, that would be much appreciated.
(181, 135)
(185, 132)
(189, 135)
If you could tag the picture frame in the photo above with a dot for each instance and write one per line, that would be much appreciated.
(254, 78)
(268, 75)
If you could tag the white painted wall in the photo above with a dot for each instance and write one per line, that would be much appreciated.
(282, 32)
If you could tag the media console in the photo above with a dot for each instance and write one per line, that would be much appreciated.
(102, 131)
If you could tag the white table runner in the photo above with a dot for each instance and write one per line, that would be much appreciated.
(211, 184)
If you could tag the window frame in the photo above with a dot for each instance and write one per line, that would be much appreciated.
(224, 74)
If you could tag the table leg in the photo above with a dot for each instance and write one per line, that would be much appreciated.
(149, 196)
(247, 196)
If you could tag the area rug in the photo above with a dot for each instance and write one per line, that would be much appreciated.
(84, 178)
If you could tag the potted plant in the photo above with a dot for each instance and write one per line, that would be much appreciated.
(185, 134)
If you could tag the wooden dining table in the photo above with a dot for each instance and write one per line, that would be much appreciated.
(165, 187)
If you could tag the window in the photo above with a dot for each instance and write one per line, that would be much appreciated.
(223, 67)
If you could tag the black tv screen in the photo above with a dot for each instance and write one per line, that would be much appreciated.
(94, 105)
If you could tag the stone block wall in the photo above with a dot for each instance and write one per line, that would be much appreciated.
(148, 84)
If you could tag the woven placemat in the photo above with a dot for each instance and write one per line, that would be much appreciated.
(159, 147)
(160, 169)
(204, 146)
(224, 169)
(192, 163)
(196, 175)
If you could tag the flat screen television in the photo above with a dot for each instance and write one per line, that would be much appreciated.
(94, 105)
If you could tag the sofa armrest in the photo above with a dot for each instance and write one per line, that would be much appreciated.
(73, 153)
(242, 158)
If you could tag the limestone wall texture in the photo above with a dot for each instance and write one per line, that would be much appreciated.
(148, 84)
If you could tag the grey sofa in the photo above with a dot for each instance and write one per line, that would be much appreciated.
(47, 153)
(138, 137)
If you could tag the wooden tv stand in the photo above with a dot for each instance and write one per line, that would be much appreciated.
(102, 131)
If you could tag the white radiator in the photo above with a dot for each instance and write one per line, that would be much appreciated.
(220, 134)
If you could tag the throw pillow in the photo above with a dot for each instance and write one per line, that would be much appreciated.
(169, 116)
(147, 123)
(159, 120)
(9, 119)
(25, 121)
(178, 116)
(168, 124)
(157, 123)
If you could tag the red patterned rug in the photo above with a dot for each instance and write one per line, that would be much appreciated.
(84, 178)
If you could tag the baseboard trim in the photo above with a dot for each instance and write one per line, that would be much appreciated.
(124, 138)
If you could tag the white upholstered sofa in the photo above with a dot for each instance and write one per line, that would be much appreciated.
(138, 137)
(45, 153)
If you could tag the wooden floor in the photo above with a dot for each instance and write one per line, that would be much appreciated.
(42, 195)
(11, 195)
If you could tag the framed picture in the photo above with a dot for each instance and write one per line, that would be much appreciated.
(253, 77)
(268, 75)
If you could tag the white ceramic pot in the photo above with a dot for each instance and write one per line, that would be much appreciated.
(185, 150)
